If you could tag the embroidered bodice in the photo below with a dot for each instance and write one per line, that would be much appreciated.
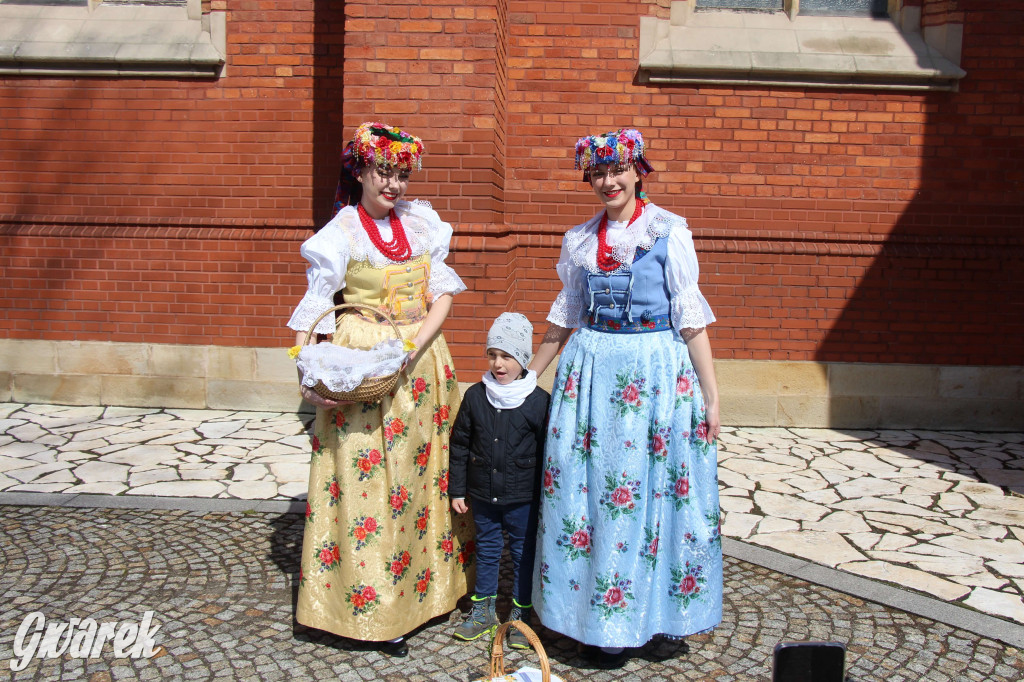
(673, 290)
(342, 249)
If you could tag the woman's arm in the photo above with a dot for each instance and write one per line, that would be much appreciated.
(436, 315)
(699, 346)
(554, 337)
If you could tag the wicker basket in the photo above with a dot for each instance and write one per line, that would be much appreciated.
(498, 653)
(372, 389)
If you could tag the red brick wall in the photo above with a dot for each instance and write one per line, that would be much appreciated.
(831, 225)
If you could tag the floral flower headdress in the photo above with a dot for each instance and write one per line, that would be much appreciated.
(620, 147)
(383, 146)
(376, 144)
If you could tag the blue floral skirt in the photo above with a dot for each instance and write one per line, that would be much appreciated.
(629, 543)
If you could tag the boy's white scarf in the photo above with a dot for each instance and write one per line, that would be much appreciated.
(509, 396)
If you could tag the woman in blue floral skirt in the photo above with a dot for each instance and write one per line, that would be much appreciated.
(629, 546)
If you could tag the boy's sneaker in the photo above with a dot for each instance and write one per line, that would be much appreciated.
(516, 639)
(480, 621)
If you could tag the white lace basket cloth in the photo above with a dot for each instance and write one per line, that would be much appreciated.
(352, 374)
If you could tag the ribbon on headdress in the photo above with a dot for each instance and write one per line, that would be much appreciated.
(623, 147)
(379, 145)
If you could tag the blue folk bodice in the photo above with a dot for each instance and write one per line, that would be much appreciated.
(633, 301)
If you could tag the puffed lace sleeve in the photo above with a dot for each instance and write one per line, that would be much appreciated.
(568, 309)
(328, 253)
(688, 307)
(443, 279)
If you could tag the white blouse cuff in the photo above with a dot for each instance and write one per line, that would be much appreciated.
(566, 310)
(690, 310)
(310, 308)
(444, 280)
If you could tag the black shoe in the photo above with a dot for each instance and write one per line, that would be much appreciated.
(607, 661)
(399, 649)
(602, 659)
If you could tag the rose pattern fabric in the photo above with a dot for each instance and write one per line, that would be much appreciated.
(616, 522)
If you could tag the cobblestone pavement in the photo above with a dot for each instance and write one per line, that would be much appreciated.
(223, 585)
(941, 513)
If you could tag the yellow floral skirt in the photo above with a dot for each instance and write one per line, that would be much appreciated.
(382, 553)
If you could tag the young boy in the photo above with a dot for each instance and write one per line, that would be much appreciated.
(497, 447)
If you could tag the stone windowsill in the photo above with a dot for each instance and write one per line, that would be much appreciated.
(132, 40)
(729, 47)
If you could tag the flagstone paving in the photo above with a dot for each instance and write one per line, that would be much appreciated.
(941, 513)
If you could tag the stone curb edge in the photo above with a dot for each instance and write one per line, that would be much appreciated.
(940, 611)
(943, 612)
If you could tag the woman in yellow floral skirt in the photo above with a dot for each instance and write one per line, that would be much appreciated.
(381, 553)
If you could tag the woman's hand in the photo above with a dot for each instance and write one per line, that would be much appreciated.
(714, 423)
(459, 505)
(314, 398)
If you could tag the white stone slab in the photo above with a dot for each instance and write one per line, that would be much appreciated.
(786, 507)
(758, 467)
(824, 497)
(839, 522)
(153, 476)
(932, 486)
(249, 472)
(144, 454)
(997, 603)
(30, 474)
(181, 437)
(219, 429)
(180, 489)
(99, 488)
(983, 579)
(867, 487)
(907, 578)
(976, 527)
(204, 474)
(97, 471)
(738, 525)
(735, 504)
(12, 463)
(253, 490)
(734, 479)
(774, 485)
(894, 541)
(874, 504)
(899, 522)
(291, 472)
(828, 549)
(293, 491)
(773, 525)
(63, 476)
(20, 450)
(863, 540)
(1006, 568)
(998, 550)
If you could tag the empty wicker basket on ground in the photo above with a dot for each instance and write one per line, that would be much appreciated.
(372, 389)
(498, 656)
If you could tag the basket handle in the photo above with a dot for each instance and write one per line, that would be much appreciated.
(498, 653)
(375, 311)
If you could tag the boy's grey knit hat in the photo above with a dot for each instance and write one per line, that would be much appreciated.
(512, 333)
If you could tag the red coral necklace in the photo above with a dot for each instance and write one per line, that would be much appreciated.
(398, 248)
(605, 261)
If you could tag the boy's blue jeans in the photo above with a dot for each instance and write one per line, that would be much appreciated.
(520, 522)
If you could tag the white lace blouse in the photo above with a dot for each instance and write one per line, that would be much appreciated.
(342, 239)
(689, 309)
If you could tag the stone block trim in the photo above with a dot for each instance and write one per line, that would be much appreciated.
(754, 393)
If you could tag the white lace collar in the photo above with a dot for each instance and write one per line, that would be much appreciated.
(654, 223)
(512, 395)
(414, 220)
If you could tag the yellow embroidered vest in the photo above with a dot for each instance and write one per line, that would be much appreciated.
(400, 289)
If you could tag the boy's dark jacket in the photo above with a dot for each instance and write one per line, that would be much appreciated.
(497, 455)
